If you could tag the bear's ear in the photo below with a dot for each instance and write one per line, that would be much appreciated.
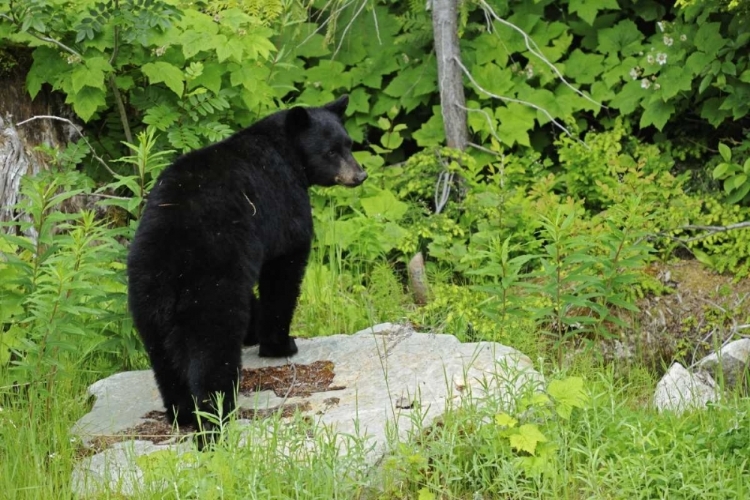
(339, 105)
(297, 119)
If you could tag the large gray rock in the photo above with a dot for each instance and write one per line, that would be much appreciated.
(680, 390)
(382, 375)
(731, 363)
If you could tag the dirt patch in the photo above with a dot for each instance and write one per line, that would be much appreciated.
(701, 310)
(285, 381)
(290, 380)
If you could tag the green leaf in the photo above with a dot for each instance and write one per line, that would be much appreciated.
(505, 420)
(192, 42)
(709, 39)
(257, 44)
(86, 76)
(712, 112)
(568, 394)
(384, 205)
(584, 67)
(657, 113)
(425, 494)
(169, 74)
(432, 133)
(587, 9)
(629, 97)
(86, 102)
(739, 194)
(48, 67)
(210, 78)
(527, 438)
(9, 340)
(624, 38)
(725, 152)
(228, 48)
(516, 120)
(244, 76)
(721, 170)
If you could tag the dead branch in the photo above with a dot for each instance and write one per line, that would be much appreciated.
(77, 129)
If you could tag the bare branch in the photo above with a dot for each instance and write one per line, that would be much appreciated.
(80, 132)
(537, 52)
(707, 231)
(518, 101)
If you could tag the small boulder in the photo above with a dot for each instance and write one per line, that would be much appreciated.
(680, 390)
(730, 363)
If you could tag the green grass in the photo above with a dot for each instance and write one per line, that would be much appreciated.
(615, 446)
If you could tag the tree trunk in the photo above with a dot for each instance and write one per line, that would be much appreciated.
(450, 78)
(18, 155)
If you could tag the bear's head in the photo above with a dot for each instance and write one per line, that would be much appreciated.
(324, 144)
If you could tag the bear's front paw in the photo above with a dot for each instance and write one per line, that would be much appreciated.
(278, 350)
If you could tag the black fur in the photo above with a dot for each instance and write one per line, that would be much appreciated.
(219, 221)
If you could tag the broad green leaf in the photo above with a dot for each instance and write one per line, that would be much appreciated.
(568, 394)
(384, 205)
(48, 67)
(210, 78)
(624, 38)
(657, 113)
(192, 42)
(227, 48)
(86, 102)
(739, 194)
(721, 169)
(739, 180)
(163, 72)
(432, 133)
(712, 112)
(725, 153)
(505, 420)
(584, 67)
(83, 76)
(527, 438)
(587, 9)
(516, 120)
(257, 44)
(709, 39)
(244, 76)
(425, 494)
(629, 97)
(494, 79)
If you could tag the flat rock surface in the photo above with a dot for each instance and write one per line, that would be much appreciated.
(352, 383)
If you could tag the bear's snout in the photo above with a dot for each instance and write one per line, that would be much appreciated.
(350, 174)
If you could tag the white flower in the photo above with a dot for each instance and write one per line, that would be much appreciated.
(635, 73)
(645, 83)
(650, 59)
(668, 40)
(657, 86)
(529, 71)
(159, 51)
(661, 58)
(683, 37)
(660, 24)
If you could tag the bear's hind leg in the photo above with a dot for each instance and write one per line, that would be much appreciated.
(173, 387)
(279, 284)
(214, 372)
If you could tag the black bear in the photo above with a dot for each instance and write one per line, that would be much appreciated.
(218, 221)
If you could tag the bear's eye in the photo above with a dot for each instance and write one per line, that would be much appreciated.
(331, 153)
